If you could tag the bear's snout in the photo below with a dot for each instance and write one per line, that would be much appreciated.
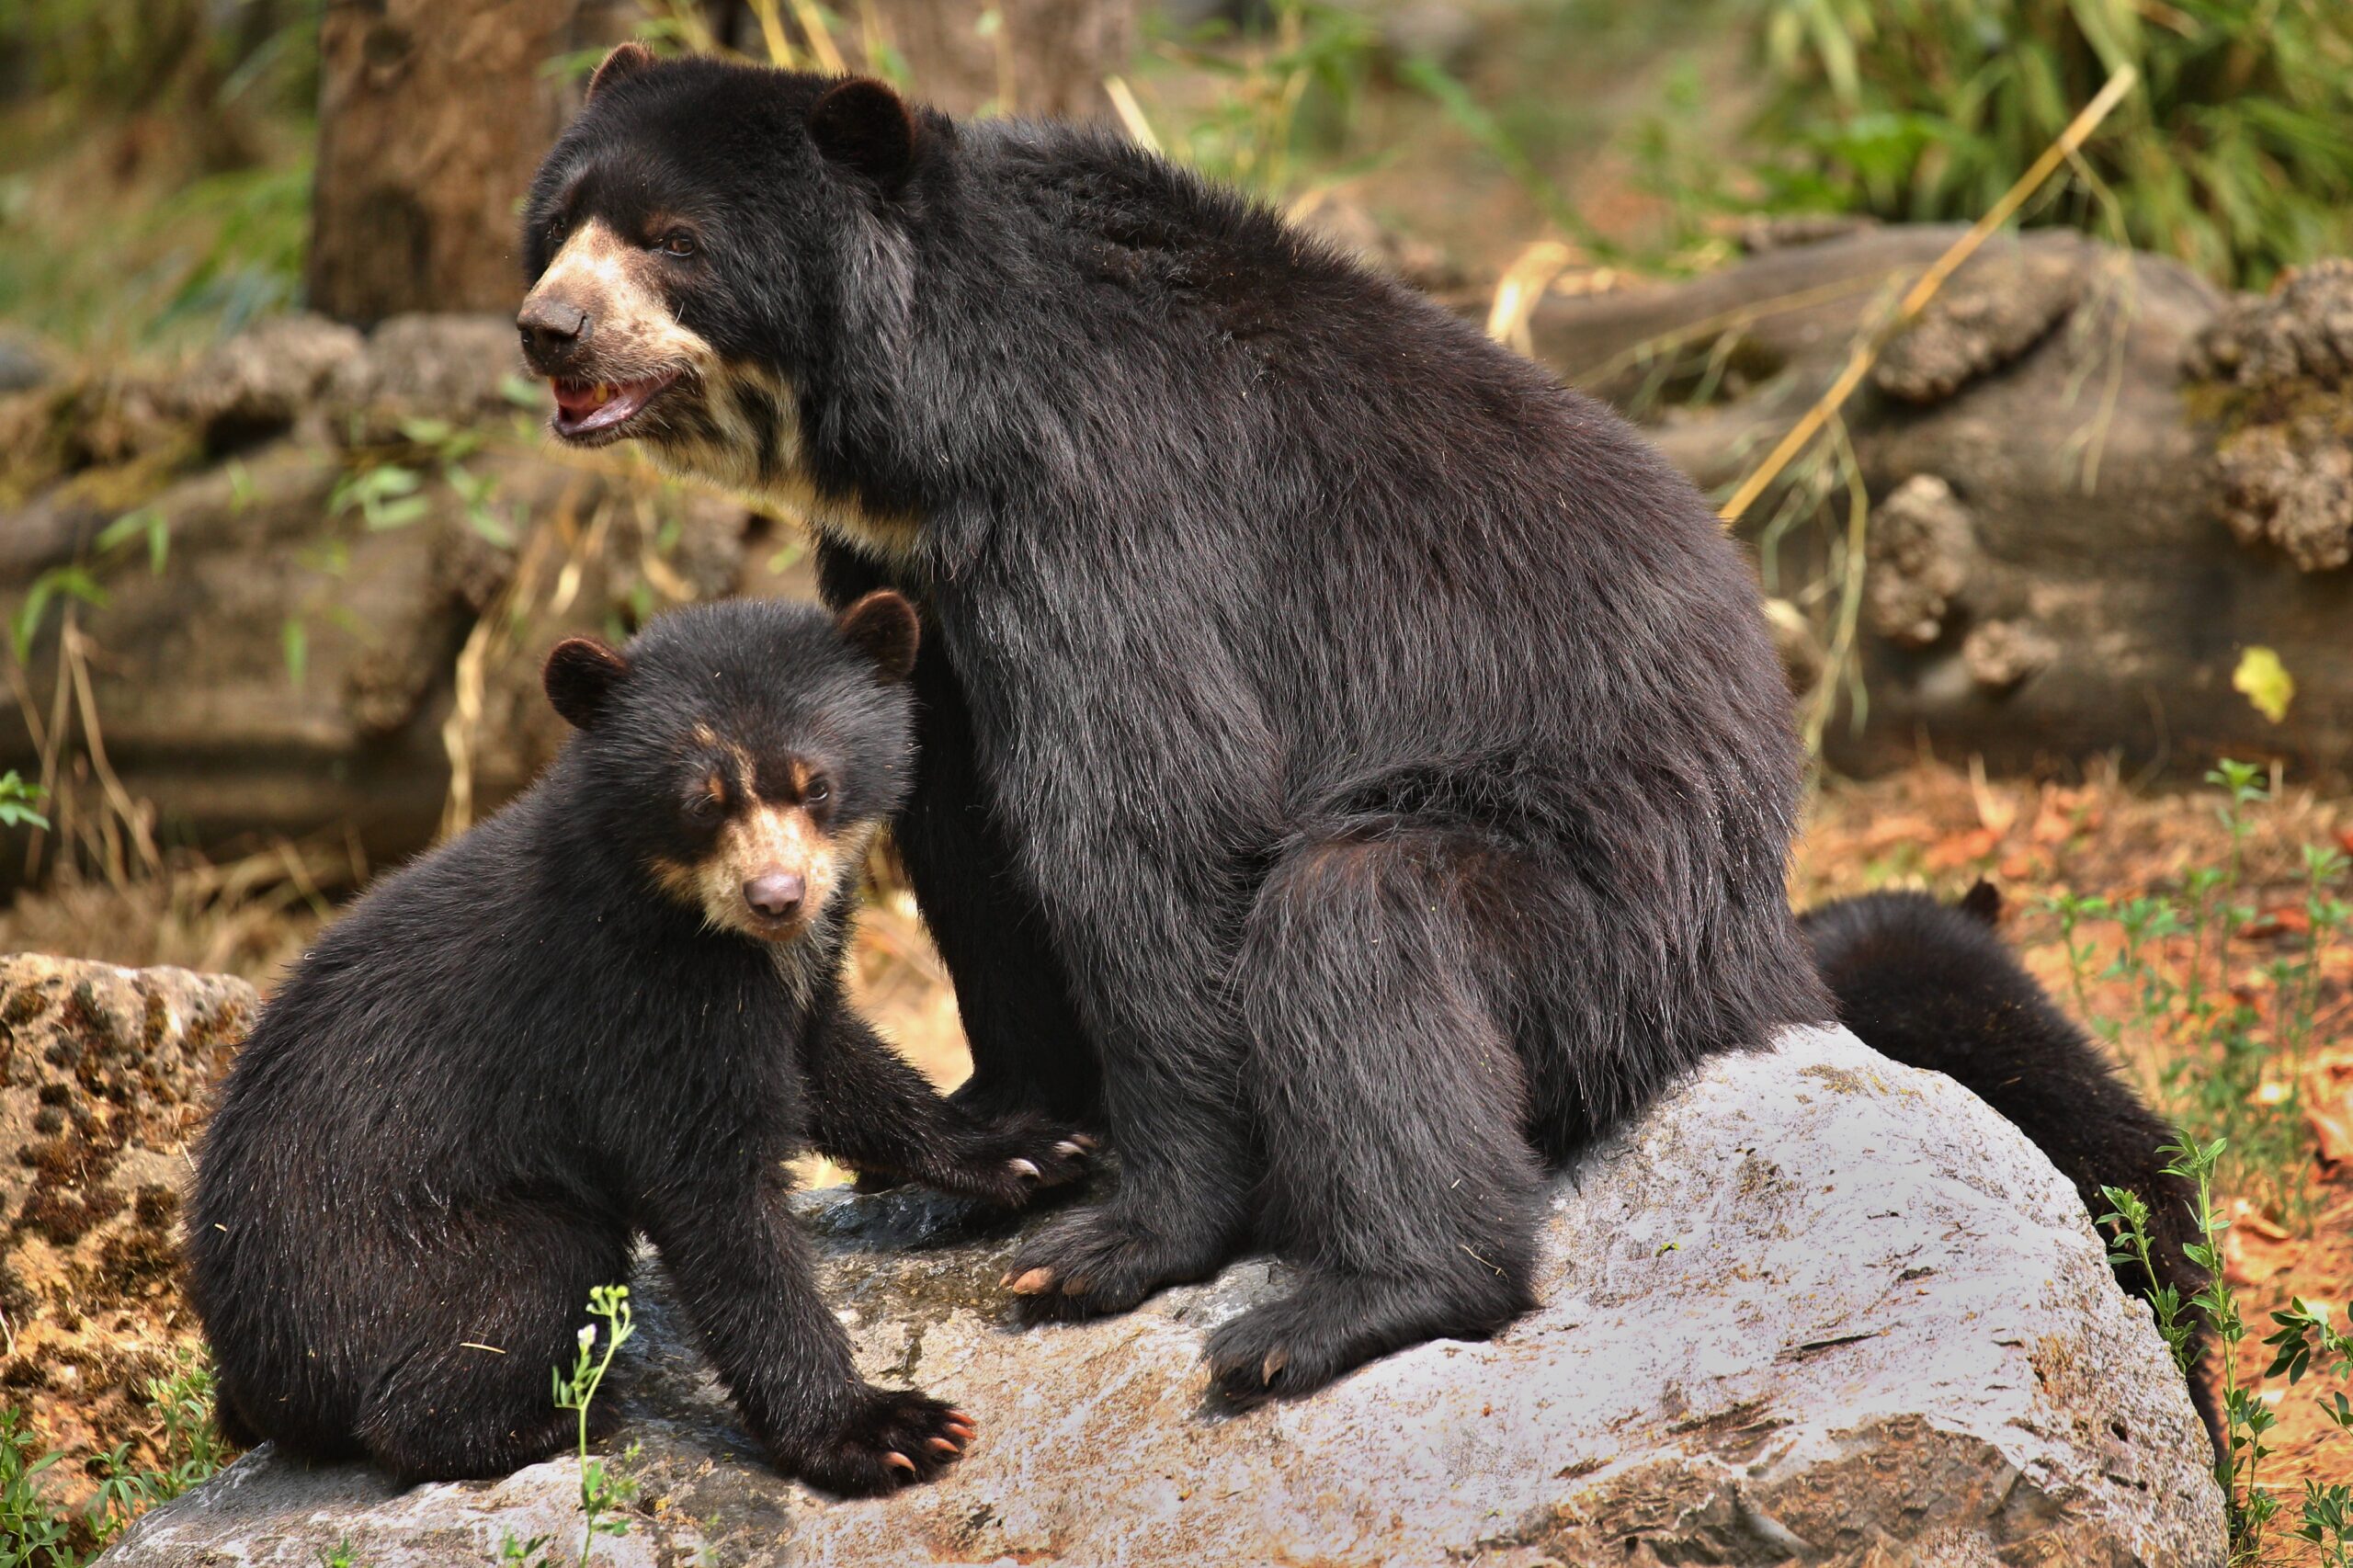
(773, 894)
(553, 329)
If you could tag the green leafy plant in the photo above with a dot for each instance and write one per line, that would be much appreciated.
(2236, 1069)
(32, 1533)
(605, 1488)
(20, 801)
(52, 586)
(1290, 81)
(190, 1450)
(2237, 155)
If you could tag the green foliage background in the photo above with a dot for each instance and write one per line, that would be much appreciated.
(2235, 155)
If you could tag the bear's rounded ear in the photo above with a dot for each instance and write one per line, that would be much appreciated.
(626, 59)
(580, 675)
(865, 127)
(1982, 901)
(884, 626)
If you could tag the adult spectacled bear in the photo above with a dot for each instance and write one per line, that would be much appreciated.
(1354, 770)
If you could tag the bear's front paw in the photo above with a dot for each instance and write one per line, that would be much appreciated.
(892, 1438)
(1009, 1161)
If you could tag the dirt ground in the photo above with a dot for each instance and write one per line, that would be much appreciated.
(1933, 826)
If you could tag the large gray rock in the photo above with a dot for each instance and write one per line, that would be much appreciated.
(1813, 1308)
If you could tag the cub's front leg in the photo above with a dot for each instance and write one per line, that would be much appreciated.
(870, 1109)
(727, 1237)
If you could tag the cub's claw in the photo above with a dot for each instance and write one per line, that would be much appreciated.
(1023, 1169)
(1031, 1282)
(891, 1439)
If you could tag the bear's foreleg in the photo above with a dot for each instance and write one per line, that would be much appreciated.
(726, 1232)
(1389, 1103)
(870, 1109)
(1030, 1052)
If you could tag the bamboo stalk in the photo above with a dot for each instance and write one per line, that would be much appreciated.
(1916, 300)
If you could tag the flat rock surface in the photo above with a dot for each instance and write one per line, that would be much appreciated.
(1813, 1308)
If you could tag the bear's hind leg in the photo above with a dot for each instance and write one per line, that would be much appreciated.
(487, 1324)
(1389, 1101)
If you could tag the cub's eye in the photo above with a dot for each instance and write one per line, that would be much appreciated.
(679, 243)
(820, 791)
(707, 799)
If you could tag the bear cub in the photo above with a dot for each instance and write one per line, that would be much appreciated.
(1933, 986)
(614, 1009)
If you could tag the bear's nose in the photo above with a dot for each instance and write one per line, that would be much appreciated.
(773, 894)
(551, 328)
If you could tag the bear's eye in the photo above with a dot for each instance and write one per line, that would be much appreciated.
(707, 799)
(819, 792)
(679, 243)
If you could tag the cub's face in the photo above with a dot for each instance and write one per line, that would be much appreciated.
(745, 754)
(688, 241)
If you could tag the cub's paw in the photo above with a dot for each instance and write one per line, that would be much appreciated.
(1011, 1160)
(892, 1438)
(1096, 1262)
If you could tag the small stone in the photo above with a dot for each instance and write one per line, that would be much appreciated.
(259, 383)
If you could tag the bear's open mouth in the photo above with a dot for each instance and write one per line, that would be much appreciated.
(597, 410)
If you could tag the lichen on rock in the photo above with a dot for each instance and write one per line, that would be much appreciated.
(2286, 359)
(1997, 307)
(104, 1074)
(1922, 544)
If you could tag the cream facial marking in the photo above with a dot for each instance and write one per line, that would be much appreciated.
(761, 843)
(740, 426)
(598, 324)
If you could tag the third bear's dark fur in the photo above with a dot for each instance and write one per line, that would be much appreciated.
(1354, 766)
(1934, 986)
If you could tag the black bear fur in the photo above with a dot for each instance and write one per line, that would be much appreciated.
(1354, 770)
(1933, 986)
(556, 1031)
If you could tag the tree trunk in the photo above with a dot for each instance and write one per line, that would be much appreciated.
(1042, 58)
(432, 116)
(2094, 482)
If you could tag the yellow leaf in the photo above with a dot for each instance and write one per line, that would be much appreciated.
(2265, 682)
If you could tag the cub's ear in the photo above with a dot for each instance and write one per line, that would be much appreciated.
(626, 59)
(580, 676)
(884, 626)
(865, 127)
(1982, 901)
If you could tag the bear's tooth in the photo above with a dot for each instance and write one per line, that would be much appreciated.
(604, 394)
